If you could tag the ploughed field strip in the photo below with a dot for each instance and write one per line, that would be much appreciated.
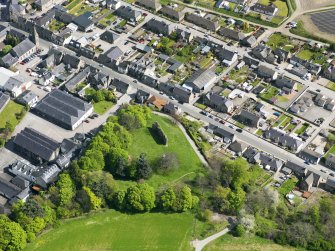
(325, 21)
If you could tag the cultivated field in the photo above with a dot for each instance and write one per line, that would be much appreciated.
(307, 5)
(325, 21)
(111, 230)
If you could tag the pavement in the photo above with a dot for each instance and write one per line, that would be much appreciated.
(200, 244)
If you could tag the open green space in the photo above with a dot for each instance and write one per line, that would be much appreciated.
(205, 62)
(315, 57)
(288, 186)
(143, 142)
(55, 25)
(73, 3)
(330, 151)
(290, 127)
(286, 122)
(81, 8)
(245, 243)
(107, 20)
(269, 93)
(111, 230)
(302, 129)
(277, 40)
(331, 85)
(9, 114)
(102, 106)
(280, 4)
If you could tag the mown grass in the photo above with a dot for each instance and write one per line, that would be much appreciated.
(111, 230)
(9, 114)
(102, 106)
(281, 5)
(143, 142)
(245, 243)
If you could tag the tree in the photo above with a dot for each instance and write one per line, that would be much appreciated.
(66, 189)
(119, 200)
(12, 236)
(167, 162)
(239, 230)
(95, 202)
(9, 127)
(234, 173)
(98, 96)
(143, 169)
(236, 200)
(6, 49)
(184, 200)
(32, 209)
(92, 160)
(117, 162)
(245, 26)
(140, 197)
(220, 199)
(168, 199)
(138, 115)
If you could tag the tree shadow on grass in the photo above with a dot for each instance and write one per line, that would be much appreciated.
(155, 136)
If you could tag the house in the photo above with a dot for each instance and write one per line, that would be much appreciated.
(71, 84)
(142, 96)
(238, 147)
(249, 41)
(250, 153)
(227, 56)
(263, 53)
(299, 170)
(10, 191)
(284, 139)
(253, 63)
(267, 161)
(113, 4)
(182, 94)
(312, 180)
(18, 53)
(172, 13)
(109, 36)
(63, 109)
(159, 27)
(121, 86)
(111, 57)
(201, 80)
(227, 137)
(310, 156)
(128, 13)
(330, 184)
(35, 145)
(330, 161)
(43, 4)
(232, 34)
(4, 100)
(150, 4)
(300, 71)
(13, 83)
(285, 84)
(203, 22)
(282, 55)
(72, 61)
(183, 35)
(172, 109)
(84, 21)
(311, 67)
(28, 98)
(156, 102)
(218, 102)
(264, 9)
(267, 73)
(329, 72)
(41, 176)
(249, 119)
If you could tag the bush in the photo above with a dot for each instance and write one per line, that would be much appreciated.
(159, 133)
(239, 230)
(167, 162)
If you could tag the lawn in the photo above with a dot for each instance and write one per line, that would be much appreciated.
(330, 151)
(286, 122)
(269, 93)
(280, 120)
(306, 54)
(205, 62)
(240, 75)
(331, 85)
(111, 230)
(110, 18)
(55, 25)
(246, 243)
(73, 3)
(315, 57)
(287, 186)
(8, 114)
(143, 141)
(102, 106)
(281, 5)
(278, 40)
(302, 129)
(81, 9)
(290, 127)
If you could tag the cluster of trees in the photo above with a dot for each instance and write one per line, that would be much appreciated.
(11, 40)
(165, 46)
(101, 95)
(133, 116)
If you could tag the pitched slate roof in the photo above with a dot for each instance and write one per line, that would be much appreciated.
(128, 12)
(201, 78)
(109, 36)
(233, 34)
(7, 189)
(159, 27)
(172, 13)
(37, 143)
(202, 22)
(23, 47)
(120, 85)
(62, 107)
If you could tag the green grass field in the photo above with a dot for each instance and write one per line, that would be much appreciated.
(302, 129)
(143, 142)
(278, 40)
(8, 114)
(246, 243)
(288, 186)
(102, 106)
(111, 230)
(331, 85)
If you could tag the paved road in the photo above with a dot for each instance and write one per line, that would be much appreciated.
(199, 245)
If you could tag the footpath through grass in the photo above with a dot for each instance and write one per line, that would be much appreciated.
(143, 142)
(111, 230)
(245, 243)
